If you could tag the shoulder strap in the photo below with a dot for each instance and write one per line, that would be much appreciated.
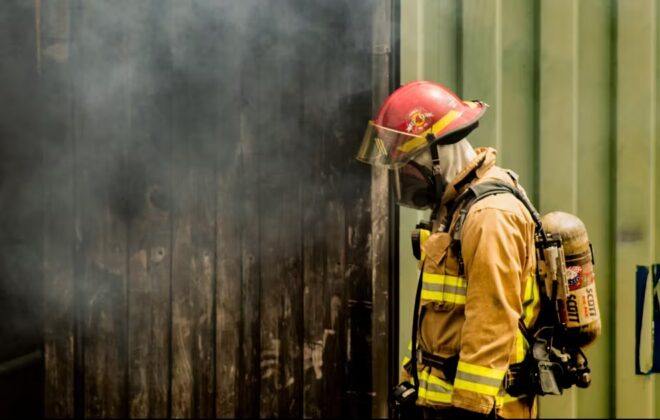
(415, 326)
(478, 192)
(485, 189)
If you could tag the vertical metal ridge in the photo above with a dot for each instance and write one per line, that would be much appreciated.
(612, 202)
(536, 92)
(652, 163)
(498, 77)
(459, 48)
(652, 159)
(419, 32)
(652, 114)
(632, 242)
(655, 171)
(575, 99)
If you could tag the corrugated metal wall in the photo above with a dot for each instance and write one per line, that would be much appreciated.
(573, 89)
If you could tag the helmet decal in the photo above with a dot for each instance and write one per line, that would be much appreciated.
(380, 145)
(419, 121)
(574, 274)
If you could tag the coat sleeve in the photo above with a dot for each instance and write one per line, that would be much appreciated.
(494, 251)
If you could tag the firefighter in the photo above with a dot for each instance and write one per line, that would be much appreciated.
(477, 285)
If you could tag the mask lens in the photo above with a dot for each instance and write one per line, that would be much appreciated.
(413, 188)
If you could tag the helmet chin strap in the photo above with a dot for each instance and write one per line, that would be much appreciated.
(438, 180)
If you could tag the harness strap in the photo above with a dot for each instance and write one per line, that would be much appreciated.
(478, 192)
(516, 378)
(447, 365)
(413, 353)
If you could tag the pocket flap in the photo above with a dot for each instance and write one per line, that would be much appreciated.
(436, 246)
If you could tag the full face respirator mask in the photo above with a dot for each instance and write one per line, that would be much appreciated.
(417, 186)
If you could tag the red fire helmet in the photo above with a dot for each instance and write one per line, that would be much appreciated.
(412, 118)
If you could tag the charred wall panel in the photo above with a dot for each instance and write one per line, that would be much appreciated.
(149, 199)
(21, 215)
(57, 146)
(207, 235)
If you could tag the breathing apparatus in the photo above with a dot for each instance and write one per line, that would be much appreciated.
(569, 317)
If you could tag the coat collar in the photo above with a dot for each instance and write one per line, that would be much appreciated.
(477, 168)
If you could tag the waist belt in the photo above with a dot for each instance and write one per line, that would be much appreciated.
(447, 365)
(516, 380)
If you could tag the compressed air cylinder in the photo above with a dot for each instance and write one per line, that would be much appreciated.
(582, 316)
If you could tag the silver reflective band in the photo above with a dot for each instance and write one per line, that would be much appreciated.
(434, 387)
(433, 287)
(478, 379)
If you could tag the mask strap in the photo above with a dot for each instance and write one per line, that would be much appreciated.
(438, 181)
(428, 173)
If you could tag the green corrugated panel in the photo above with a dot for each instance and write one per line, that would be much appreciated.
(410, 29)
(481, 54)
(439, 46)
(518, 148)
(558, 106)
(428, 51)
(558, 134)
(635, 132)
(575, 124)
(655, 188)
(594, 192)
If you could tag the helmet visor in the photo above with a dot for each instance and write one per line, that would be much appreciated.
(383, 146)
